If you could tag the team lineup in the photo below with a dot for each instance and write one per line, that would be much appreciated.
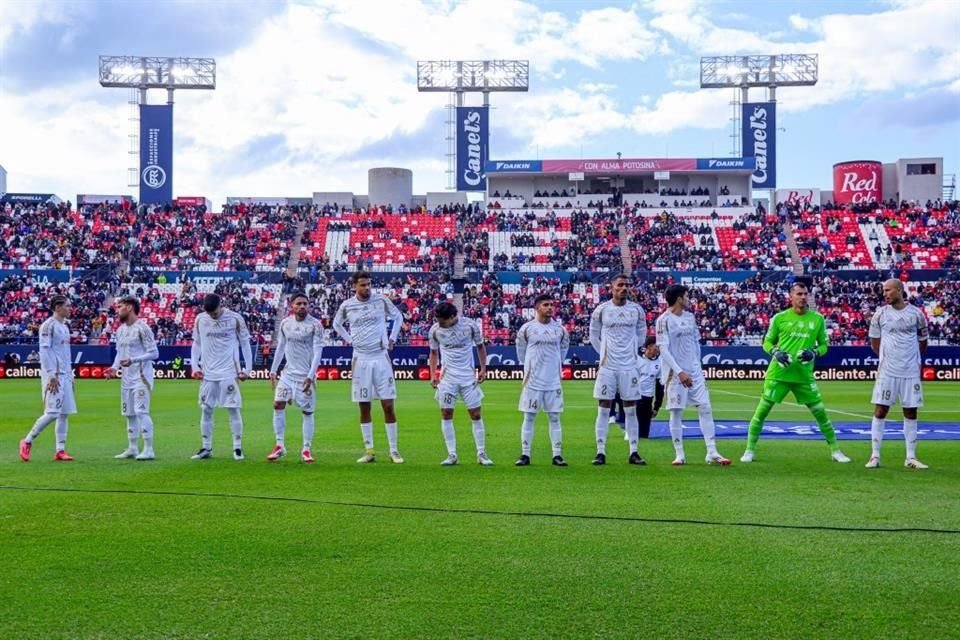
(636, 372)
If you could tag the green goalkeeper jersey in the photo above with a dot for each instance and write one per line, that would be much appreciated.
(792, 332)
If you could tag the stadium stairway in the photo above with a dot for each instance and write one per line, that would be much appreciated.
(883, 240)
(625, 253)
(793, 248)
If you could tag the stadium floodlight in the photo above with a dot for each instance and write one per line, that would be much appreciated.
(473, 75)
(144, 72)
(780, 70)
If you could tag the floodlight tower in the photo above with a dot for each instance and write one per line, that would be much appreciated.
(140, 73)
(460, 77)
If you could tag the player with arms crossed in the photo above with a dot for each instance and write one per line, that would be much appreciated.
(898, 334)
(678, 338)
(217, 336)
(542, 344)
(56, 380)
(796, 337)
(453, 338)
(618, 328)
(136, 351)
(300, 342)
(367, 314)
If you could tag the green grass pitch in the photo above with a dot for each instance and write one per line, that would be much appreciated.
(177, 562)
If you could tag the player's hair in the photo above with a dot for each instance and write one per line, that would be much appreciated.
(619, 276)
(650, 341)
(211, 302)
(445, 311)
(674, 292)
(543, 297)
(360, 275)
(132, 301)
(56, 301)
(799, 283)
(298, 294)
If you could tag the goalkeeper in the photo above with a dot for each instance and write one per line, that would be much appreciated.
(796, 337)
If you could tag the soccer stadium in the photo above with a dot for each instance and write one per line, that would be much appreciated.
(317, 415)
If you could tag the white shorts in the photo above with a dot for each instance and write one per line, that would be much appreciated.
(887, 391)
(532, 401)
(63, 401)
(135, 401)
(373, 379)
(609, 383)
(291, 391)
(220, 393)
(678, 396)
(448, 391)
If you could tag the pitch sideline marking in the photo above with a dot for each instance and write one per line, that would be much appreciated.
(794, 404)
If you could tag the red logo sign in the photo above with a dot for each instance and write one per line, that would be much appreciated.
(857, 182)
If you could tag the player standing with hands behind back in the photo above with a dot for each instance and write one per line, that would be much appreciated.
(796, 337)
(217, 335)
(898, 334)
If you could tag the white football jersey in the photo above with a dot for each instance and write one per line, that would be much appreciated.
(215, 345)
(541, 347)
(367, 322)
(679, 340)
(54, 348)
(900, 333)
(617, 333)
(456, 345)
(135, 342)
(649, 373)
(300, 342)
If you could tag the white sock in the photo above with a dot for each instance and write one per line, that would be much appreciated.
(279, 425)
(146, 430)
(708, 428)
(526, 433)
(909, 437)
(556, 433)
(63, 425)
(133, 433)
(308, 428)
(391, 428)
(236, 427)
(366, 429)
(479, 435)
(676, 431)
(876, 435)
(633, 427)
(206, 427)
(601, 428)
(39, 426)
(449, 436)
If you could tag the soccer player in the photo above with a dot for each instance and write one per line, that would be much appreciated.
(56, 380)
(542, 345)
(136, 351)
(651, 390)
(796, 337)
(300, 342)
(217, 334)
(618, 328)
(678, 338)
(453, 338)
(367, 314)
(898, 334)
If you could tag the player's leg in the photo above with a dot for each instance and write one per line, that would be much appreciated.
(526, 435)
(644, 416)
(633, 432)
(877, 426)
(307, 401)
(129, 414)
(701, 397)
(209, 396)
(366, 430)
(390, 424)
(233, 402)
(446, 396)
(281, 397)
(808, 393)
(773, 393)
(676, 395)
(479, 435)
(604, 392)
(911, 399)
(553, 407)
(50, 412)
(68, 408)
(361, 390)
(385, 388)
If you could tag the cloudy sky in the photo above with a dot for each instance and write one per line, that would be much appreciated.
(310, 94)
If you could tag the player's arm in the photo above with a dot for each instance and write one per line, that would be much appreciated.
(47, 359)
(243, 335)
(111, 371)
(596, 329)
(397, 316)
(875, 332)
(564, 344)
(195, 351)
(663, 341)
(339, 325)
(923, 333)
(317, 354)
(657, 395)
(481, 352)
(522, 345)
(278, 356)
(772, 337)
(150, 350)
(823, 342)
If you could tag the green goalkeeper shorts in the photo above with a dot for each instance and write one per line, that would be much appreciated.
(806, 393)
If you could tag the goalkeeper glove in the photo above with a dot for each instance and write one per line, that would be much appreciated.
(805, 356)
(782, 358)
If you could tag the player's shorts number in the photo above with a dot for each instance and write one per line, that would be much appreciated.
(603, 390)
(123, 407)
(449, 398)
(886, 394)
(364, 392)
(533, 404)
